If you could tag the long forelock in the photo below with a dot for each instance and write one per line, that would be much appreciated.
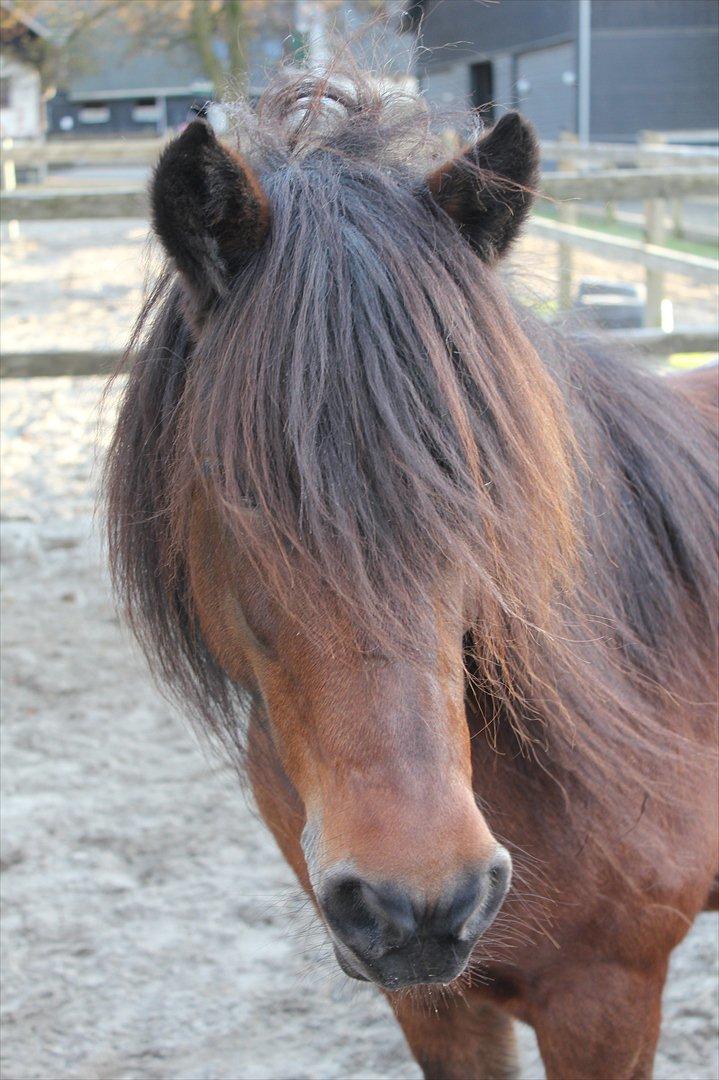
(369, 390)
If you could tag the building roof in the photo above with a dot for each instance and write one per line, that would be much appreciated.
(120, 68)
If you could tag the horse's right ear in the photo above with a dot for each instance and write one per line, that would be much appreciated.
(488, 190)
(208, 209)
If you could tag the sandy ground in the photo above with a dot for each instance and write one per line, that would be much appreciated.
(150, 927)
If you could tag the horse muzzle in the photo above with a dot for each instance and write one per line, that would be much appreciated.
(391, 935)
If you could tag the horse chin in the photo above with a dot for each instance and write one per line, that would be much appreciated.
(352, 967)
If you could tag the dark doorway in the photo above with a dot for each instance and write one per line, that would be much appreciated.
(482, 89)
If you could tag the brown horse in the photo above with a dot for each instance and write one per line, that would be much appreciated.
(443, 582)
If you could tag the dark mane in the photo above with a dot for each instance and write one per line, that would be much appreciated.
(370, 392)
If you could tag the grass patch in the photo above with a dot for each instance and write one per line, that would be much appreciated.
(688, 360)
(545, 309)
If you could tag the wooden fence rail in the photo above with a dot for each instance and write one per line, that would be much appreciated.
(84, 152)
(72, 204)
(58, 362)
(658, 343)
(636, 155)
(653, 343)
(620, 249)
(618, 184)
(29, 203)
(144, 151)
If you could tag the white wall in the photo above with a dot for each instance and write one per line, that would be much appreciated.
(23, 118)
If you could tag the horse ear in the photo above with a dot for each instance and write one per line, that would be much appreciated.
(487, 190)
(208, 209)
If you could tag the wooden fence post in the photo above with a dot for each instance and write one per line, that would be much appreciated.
(567, 214)
(677, 218)
(8, 182)
(654, 233)
(8, 178)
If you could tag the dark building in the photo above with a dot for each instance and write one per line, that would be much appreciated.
(127, 87)
(129, 91)
(653, 63)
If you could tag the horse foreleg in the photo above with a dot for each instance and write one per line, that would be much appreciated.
(458, 1038)
(598, 1021)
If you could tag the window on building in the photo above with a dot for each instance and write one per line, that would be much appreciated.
(5, 92)
(94, 112)
(483, 89)
(146, 111)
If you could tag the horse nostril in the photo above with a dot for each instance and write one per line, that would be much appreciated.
(343, 904)
(392, 907)
(477, 899)
(451, 916)
(500, 875)
(365, 915)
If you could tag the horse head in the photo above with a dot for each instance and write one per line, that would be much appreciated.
(353, 461)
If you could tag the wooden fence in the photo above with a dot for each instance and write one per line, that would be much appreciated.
(83, 152)
(686, 172)
(651, 152)
(39, 203)
(647, 341)
(660, 176)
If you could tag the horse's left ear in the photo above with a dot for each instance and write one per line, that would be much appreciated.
(209, 210)
(488, 190)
